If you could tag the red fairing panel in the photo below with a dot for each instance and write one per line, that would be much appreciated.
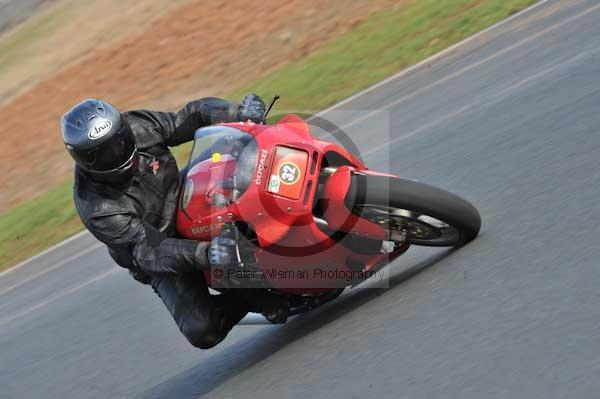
(337, 215)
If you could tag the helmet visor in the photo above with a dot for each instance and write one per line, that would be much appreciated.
(111, 155)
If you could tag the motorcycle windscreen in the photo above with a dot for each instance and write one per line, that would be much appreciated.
(213, 143)
(288, 172)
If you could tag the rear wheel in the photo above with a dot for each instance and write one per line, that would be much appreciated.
(413, 212)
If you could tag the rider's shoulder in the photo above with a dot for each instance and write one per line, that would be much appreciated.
(147, 127)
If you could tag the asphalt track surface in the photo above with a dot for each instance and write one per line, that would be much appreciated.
(509, 120)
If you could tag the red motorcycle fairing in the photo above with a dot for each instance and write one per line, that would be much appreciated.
(336, 213)
(278, 206)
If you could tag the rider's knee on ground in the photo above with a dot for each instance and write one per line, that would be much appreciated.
(202, 335)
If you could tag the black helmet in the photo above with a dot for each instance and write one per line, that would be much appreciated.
(100, 141)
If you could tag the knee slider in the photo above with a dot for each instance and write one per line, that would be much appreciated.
(201, 336)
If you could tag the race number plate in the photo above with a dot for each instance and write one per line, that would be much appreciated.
(288, 171)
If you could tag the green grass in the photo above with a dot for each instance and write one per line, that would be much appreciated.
(382, 45)
(35, 225)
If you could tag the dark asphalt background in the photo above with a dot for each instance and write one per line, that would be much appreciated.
(510, 121)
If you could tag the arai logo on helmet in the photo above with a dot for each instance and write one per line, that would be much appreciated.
(99, 129)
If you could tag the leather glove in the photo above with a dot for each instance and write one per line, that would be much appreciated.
(222, 249)
(252, 108)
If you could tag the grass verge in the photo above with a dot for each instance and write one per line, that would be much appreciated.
(382, 45)
(35, 225)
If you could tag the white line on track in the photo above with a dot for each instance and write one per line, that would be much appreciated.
(51, 268)
(472, 66)
(60, 294)
(45, 252)
(436, 56)
(491, 100)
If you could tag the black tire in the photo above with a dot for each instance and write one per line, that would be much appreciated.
(370, 195)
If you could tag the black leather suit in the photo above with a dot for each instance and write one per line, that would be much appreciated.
(136, 221)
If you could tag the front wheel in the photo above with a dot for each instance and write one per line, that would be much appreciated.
(413, 212)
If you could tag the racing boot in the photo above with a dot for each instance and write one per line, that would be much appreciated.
(273, 307)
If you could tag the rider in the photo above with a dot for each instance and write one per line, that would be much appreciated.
(126, 189)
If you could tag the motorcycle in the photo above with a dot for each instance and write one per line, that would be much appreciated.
(320, 221)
